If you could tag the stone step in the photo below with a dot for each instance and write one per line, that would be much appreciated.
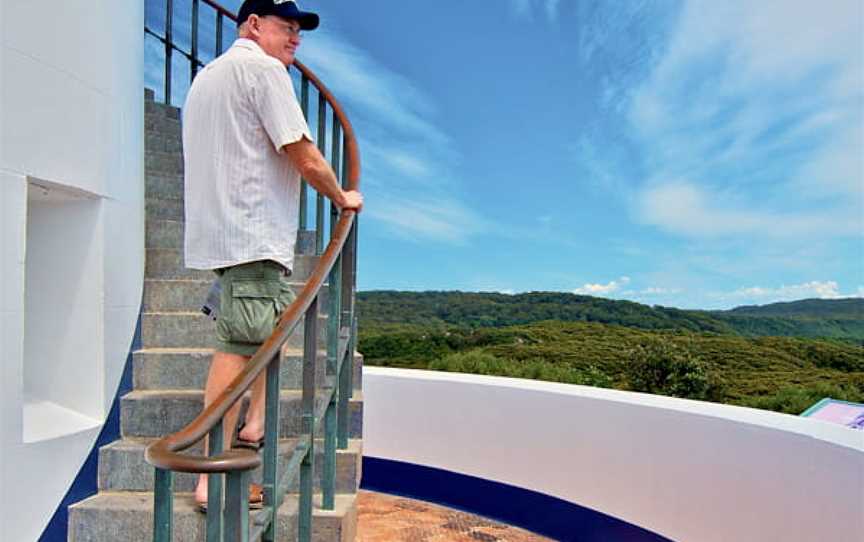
(180, 369)
(158, 141)
(187, 295)
(163, 234)
(127, 516)
(167, 263)
(163, 163)
(163, 185)
(122, 467)
(152, 413)
(195, 330)
(162, 121)
(158, 208)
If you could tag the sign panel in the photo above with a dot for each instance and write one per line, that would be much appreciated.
(841, 412)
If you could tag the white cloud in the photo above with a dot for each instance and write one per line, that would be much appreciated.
(860, 292)
(602, 289)
(686, 209)
(425, 219)
(378, 92)
(765, 130)
(404, 151)
(552, 7)
(525, 9)
(828, 289)
(654, 290)
(522, 8)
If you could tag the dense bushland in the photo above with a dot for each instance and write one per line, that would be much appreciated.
(777, 373)
(841, 319)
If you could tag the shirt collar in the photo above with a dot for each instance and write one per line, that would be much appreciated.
(246, 43)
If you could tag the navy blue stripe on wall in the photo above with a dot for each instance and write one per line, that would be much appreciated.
(543, 514)
(85, 484)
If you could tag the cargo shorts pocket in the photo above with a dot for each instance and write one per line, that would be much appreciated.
(252, 311)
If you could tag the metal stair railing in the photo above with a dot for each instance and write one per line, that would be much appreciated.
(338, 265)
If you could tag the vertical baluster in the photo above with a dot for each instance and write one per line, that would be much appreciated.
(345, 320)
(322, 146)
(347, 370)
(304, 198)
(333, 325)
(163, 521)
(307, 472)
(330, 416)
(215, 524)
(219, 17)
(237, 506)
(336, 162)
(169, 18)
(344, 163)
(272, 497)
(328, 480)
(194, 41)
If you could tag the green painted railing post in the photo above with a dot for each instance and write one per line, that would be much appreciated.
(336, 162)
(346, 371)
(215, 525)
(272, 495)
(307, 466)
(328, 480)
(237, 506)
(322, 146)
(304, 191)
(169, 29)
(163, 520)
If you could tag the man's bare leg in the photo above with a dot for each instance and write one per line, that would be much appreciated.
(223, 369)
(253, 428)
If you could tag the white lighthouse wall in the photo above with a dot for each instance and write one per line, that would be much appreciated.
(71, 238)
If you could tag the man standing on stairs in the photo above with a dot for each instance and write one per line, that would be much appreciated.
(246, 145)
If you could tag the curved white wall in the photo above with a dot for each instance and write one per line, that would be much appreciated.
(688, 470)
(71, 238)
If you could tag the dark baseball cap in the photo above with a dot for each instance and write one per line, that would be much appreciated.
(286, 9)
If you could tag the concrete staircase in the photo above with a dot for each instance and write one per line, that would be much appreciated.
(170, 370)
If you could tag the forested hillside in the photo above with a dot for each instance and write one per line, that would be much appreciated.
(730, 356)
(838, 319)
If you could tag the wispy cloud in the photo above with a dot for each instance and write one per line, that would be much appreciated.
(763, 128)
(602, 289)
(527, 9)
(686, 209)
(828, 289)
(407, 157)
(420, 219)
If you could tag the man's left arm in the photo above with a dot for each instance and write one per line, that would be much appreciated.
(306, 157)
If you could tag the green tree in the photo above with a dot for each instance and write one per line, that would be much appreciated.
(669, 368)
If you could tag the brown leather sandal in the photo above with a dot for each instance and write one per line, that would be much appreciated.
(256, 499)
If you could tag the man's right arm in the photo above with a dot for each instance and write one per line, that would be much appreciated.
(306, 157)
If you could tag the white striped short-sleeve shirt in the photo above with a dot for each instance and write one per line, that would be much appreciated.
(241, 191)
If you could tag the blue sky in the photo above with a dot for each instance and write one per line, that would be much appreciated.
(695, 154)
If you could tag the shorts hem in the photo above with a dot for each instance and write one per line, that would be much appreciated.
(240, 349)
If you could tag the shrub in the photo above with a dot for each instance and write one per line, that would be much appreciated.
(668, 368)
(797, 399)
(479, 362)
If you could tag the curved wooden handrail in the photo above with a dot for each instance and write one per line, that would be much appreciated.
(164, 452)
(221, 10)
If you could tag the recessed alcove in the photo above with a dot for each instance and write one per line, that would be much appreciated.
(63, 327)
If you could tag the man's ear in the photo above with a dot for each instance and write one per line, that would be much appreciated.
(254, 22)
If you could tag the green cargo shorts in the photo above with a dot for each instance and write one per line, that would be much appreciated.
(253, 297)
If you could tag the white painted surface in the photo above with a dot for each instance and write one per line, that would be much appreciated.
(71, 117)
(688, 470)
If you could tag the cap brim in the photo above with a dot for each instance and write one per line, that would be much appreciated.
(307, 20)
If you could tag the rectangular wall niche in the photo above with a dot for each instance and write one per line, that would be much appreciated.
(63, 312)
